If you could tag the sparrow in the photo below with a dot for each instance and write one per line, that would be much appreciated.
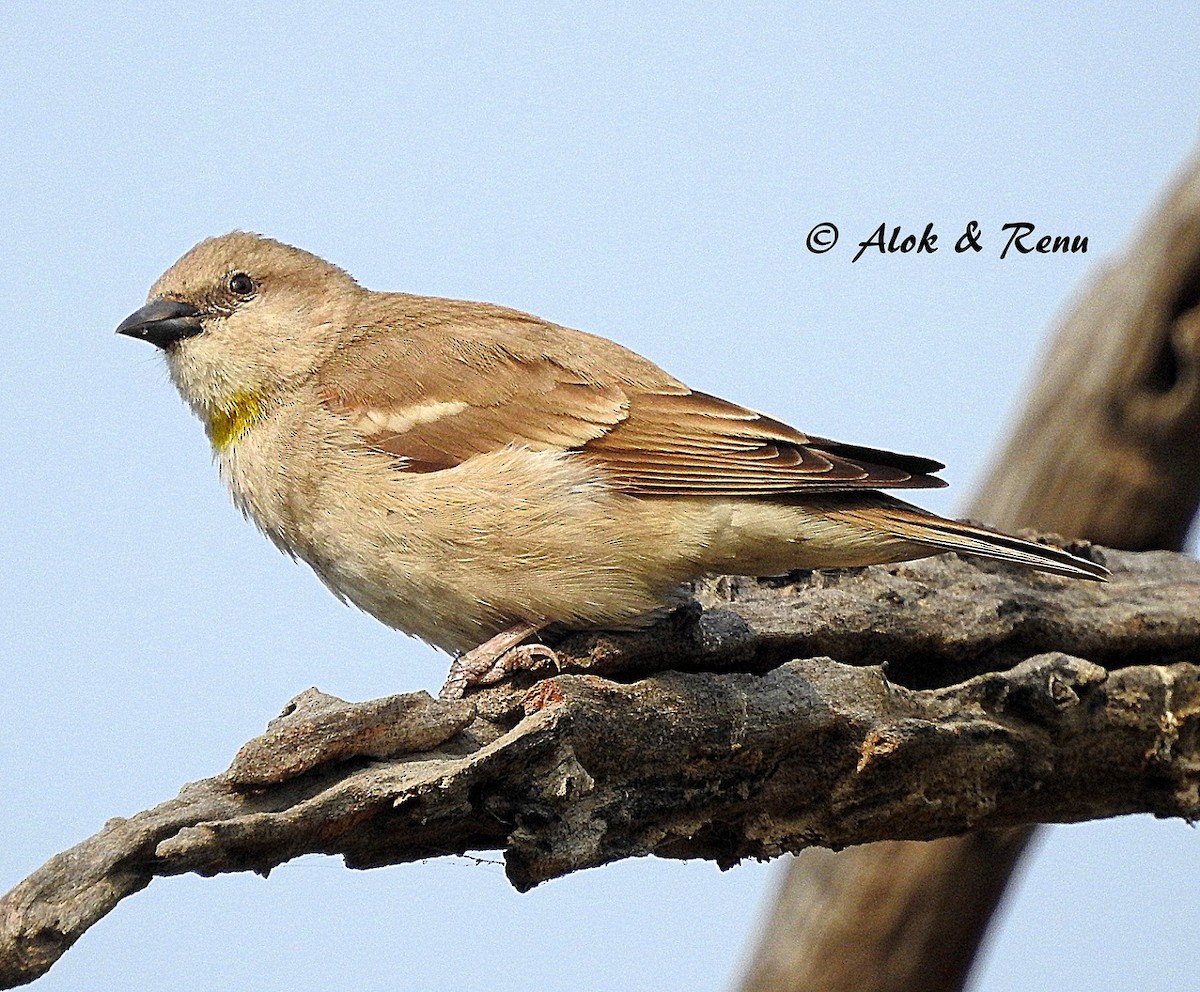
(471, 474)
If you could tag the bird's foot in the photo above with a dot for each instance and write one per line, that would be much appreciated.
(496, 658)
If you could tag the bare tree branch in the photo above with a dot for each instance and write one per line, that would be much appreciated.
(1105, 449)
(739, 752)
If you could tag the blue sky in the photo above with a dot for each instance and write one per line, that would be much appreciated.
(648, 172)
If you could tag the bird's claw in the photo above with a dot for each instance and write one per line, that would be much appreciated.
(479, 667)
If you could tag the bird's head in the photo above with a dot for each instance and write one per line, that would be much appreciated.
(242, 318)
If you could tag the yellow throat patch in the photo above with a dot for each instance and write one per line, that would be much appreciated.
(230, 422)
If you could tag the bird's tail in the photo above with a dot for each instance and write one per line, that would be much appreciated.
(910, 523)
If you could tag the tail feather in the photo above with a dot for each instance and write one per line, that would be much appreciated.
(914, 524)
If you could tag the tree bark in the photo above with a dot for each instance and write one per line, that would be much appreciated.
(1106, 449)
(1014, 698)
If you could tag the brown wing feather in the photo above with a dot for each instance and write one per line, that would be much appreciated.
(489, 378)
(673, 444)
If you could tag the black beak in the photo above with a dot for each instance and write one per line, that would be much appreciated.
(162, 322)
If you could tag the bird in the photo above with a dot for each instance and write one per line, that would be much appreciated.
(472, 475)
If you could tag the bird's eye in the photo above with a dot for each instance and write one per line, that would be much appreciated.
(241, 284)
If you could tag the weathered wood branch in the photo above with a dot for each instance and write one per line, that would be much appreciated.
(739, 751)
(1106, 449)
(1108, 445)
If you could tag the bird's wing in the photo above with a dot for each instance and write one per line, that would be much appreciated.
(696, 444)
(455, 385)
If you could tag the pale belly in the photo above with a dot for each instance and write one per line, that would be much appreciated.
(456, 556)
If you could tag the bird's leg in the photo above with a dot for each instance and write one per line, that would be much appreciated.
(495, 658)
